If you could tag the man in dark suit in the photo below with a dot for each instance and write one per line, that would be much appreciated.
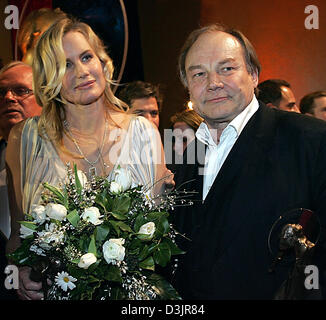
(250, 164)
(277, 93)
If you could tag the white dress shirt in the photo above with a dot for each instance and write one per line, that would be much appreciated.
(217, 153)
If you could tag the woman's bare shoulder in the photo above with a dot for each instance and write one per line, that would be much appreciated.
(121, 119)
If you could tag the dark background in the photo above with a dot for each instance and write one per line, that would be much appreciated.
(158, 28)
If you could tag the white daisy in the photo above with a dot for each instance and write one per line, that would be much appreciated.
(65, 281)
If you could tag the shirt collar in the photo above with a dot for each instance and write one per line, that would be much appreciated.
(238, 123)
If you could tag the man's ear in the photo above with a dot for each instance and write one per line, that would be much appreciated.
(269, 104)
(255, 78)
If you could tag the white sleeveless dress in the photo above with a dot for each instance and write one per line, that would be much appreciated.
(40, 162)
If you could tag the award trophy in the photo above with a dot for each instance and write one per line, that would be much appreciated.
(294, 236)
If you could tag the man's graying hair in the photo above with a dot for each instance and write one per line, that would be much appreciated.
(251, 58)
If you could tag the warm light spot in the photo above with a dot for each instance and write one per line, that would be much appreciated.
(189, 104)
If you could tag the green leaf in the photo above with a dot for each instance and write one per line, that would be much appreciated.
(102, 200)
(147, 250)
(115, 226)
(92, 245)
(84, 243)
(165, 289)
(29, 224)
(152, 247)
(75, 261)
(163, 226)
(121, 204)
(148, 264)
(143, 253)
(162, 254)
(173, 247)
(73, 217)
(101, 232)
(56, 191)
(134, 246)
(123, 226)
(20, 254)
(113, 274)
(139, 221)
(152, 216)
(144, 237)
(118, 216)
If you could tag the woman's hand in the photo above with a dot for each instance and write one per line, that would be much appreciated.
(169, 182)
(28, 289)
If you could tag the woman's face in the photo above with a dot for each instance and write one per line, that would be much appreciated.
(84, 81)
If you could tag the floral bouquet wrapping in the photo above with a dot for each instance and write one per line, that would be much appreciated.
(99, 239)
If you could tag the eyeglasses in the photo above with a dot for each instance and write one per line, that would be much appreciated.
(20, 92)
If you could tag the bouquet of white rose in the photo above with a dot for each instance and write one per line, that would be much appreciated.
(99, 239)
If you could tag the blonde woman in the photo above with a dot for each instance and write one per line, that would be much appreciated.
(82, 122)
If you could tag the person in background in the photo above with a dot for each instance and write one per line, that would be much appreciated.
(33, 27)
(314, 104)
(17, 102)
(185, 125)
(144, 99)
(277, 93)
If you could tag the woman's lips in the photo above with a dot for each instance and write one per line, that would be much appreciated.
(85, 85)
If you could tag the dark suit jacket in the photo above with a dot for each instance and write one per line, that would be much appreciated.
(277, 164)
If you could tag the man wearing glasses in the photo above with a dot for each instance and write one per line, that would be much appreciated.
(17, 102)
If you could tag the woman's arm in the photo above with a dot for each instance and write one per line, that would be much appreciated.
(28, 290)
(14, 185)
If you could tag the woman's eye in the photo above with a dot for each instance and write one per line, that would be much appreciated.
(87, 57)
(68, 64)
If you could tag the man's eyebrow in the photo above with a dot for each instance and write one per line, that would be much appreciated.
(195, 67)
(227, 60)
(199, 66)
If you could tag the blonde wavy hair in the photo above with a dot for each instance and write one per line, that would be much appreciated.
(49, 66)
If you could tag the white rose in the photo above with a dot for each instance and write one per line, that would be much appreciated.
(115, 187)
(86, 260)
(38, 213)
(123, 178)
(56, 211)
(25, 232)
(113, 250)
(82, 178)
(148, 229)
(51, 236)
(92, 215)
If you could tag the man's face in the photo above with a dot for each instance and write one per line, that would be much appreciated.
(146, 107)
(319, 110)
(219, 83)
(13, 107)
(287, 102)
